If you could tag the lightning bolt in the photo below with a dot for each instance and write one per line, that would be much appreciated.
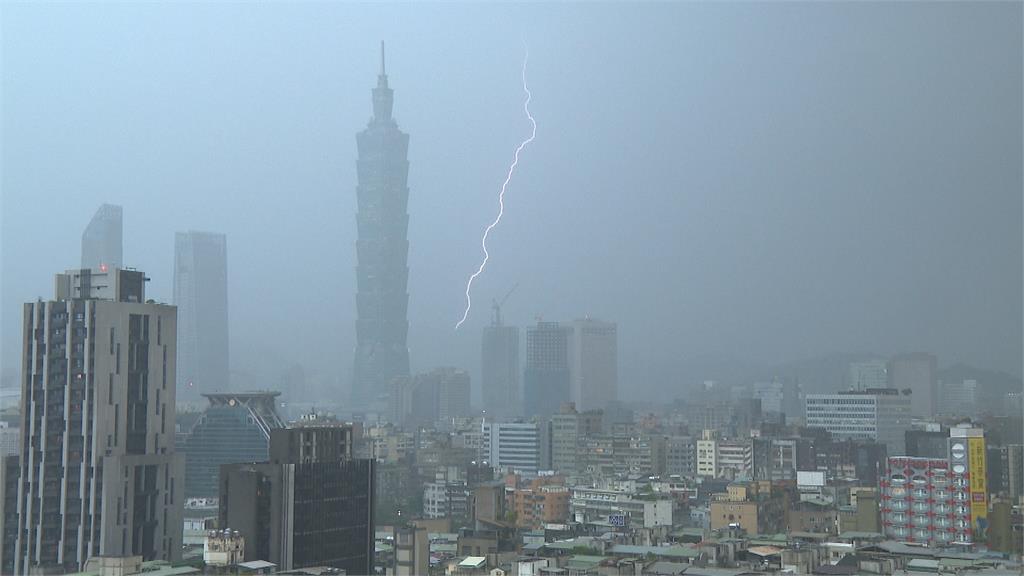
(501, 195)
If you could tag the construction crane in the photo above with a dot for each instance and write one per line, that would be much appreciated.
(496, 306)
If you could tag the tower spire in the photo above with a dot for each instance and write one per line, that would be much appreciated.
(382, 94)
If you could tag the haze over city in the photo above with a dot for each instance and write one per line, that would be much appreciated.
(679, 184)
(747, 288)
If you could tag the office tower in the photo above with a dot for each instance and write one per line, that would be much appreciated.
(99, 474)
(958, 398)
(382, 251)
(102, 243)
(513, 446)
(594, 364)
(546, 377)
(233, 428)
(499, 369)
(310, 505)
(868, 374)
(746, 416)
(916, 372)
(425, 399)
(770, 394)
(201, 294)
(453, 393)
(880, 414)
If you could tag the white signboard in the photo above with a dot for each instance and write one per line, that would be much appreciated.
(810, 478)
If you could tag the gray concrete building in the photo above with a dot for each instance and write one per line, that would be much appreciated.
(594, 364)
(425, 399)
(866, 374)
(102, 241)
(546, 378)
(98, 470)
(568, 430)
(916, 373)
(201, 295)
(500, 370)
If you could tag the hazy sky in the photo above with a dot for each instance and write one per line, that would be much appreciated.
(766, 181)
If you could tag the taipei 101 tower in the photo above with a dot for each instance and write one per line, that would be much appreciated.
(382, 249)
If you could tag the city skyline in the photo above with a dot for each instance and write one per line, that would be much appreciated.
(594, 239)
(767, 262)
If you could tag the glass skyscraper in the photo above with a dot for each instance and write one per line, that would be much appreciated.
(201, 294)
(102, 243)
(382, 250)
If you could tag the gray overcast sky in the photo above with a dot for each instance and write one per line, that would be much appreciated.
(766, 181)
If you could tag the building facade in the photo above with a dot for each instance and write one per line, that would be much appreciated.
(441, 395)
(868, 374)
(98, 471)
(311, 505)
(597, 504)
(880, 414)
(201, 295)
(514, 446)
(938, 501)
(546, 378)
(959, 398)
(594, 364)
(916, 372)
(770, 394)
(568, 430)
(102, 241)
(382, 251)
(500, 370)
(233, 428)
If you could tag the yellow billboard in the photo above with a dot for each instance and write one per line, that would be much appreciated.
(979, 487)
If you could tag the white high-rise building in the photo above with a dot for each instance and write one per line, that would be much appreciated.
(707, 454)
(880, 415)
(513, 446)
(99, 472)
(593, 364)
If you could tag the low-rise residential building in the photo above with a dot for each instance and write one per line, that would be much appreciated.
(542, 500)
(647, 510)
(756, 508)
